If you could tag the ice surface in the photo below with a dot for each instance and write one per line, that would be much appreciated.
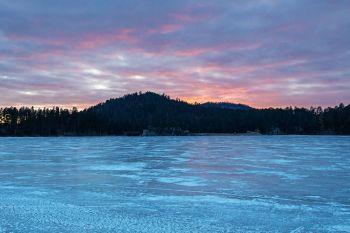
(175, 184)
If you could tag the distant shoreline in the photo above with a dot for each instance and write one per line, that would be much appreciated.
(151, 114)
(190, 135)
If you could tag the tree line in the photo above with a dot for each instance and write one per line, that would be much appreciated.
(133, 113)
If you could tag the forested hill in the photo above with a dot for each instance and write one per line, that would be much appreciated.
(226, 105)
(133, 113)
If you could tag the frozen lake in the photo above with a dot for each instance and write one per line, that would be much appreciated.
(175, 184)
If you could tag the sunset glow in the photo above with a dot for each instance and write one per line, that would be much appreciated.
(263, 53)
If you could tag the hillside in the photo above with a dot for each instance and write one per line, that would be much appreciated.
(138, 111)
(225, 105)
(134, 113)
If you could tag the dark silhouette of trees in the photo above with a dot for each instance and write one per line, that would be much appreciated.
(133, 113)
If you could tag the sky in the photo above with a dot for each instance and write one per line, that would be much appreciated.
(264, 53)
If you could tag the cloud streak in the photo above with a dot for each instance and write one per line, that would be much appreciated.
(263, 53)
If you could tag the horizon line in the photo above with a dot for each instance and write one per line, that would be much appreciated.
(83, 106)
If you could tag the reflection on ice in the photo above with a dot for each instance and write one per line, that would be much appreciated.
(117, 167)
(175, 184)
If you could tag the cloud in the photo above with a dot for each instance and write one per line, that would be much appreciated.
(263, 53)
